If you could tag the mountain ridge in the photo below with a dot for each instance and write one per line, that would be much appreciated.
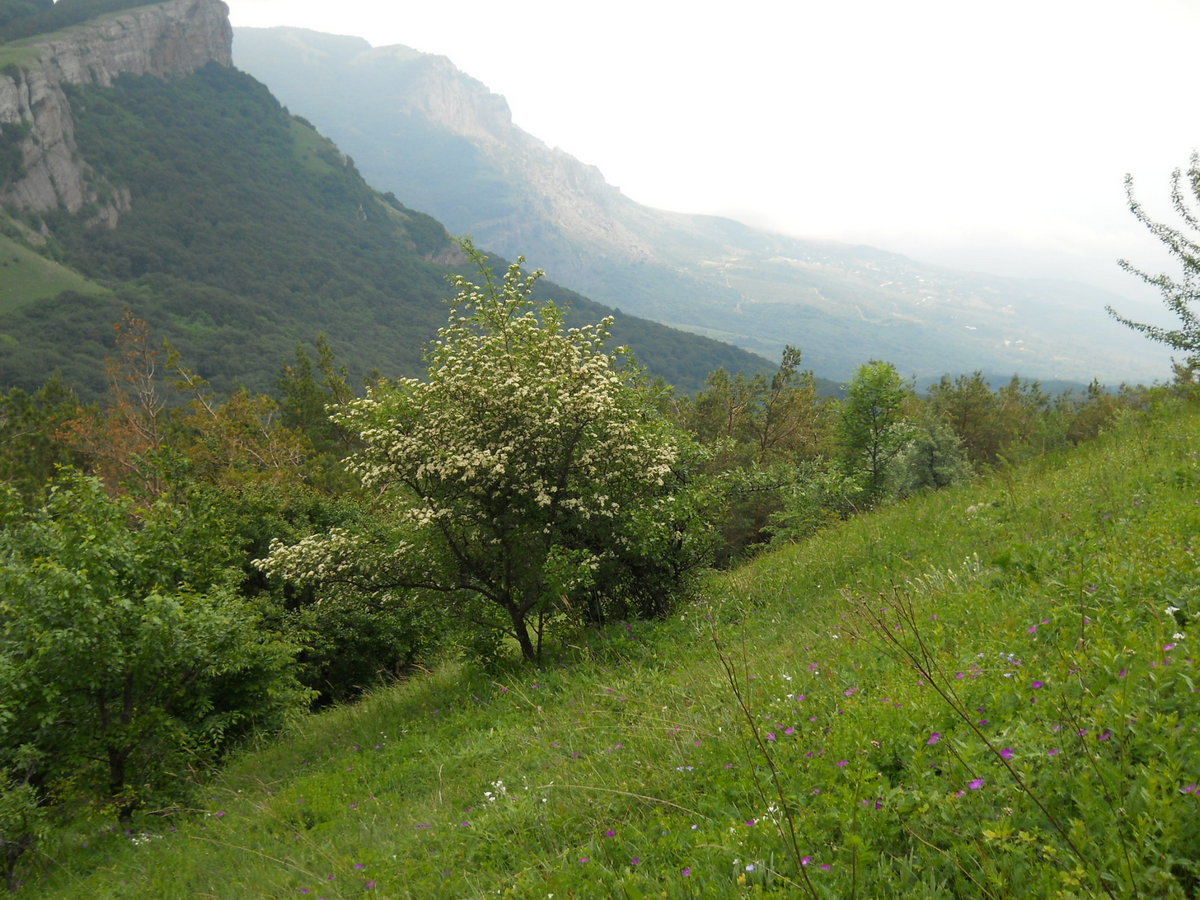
(440, 138)
(166, 40)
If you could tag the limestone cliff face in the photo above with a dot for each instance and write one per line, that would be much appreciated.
(167, 39)
(516, 194)
(561, 194)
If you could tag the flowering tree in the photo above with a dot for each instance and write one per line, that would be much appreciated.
(529, 477)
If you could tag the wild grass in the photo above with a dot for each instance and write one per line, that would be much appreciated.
(987, 692)
(26, 277)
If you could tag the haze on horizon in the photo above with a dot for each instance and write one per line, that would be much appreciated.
(986, 136)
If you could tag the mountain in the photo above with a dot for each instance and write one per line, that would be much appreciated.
(139, 169)
(418, 126)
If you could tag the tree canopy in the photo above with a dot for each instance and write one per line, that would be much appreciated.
(124, 648)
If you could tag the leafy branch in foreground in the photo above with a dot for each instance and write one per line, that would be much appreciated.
(1180, 293)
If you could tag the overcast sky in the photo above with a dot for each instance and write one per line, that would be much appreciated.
(992, 135)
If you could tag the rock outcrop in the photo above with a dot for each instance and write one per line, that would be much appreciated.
(166, 40)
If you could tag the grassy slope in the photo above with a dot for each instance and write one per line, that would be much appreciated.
(26, 276)
(628, 769)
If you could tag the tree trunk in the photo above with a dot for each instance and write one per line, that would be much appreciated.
(125, 805)
(521, 632)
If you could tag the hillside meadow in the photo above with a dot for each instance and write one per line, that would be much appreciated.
(989, 691)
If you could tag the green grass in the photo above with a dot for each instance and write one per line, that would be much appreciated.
(26, 277)
(17, 54)
(311, 149)
(1039, 739)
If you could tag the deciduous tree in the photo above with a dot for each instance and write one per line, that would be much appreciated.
(872, 423)
(529, 477)
(123, 647)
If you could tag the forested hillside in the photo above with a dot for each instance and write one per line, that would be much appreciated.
(25, 18)
(247, 234)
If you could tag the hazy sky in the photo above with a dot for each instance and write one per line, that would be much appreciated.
(994, 135)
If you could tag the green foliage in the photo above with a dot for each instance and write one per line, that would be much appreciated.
(306, 402)
(968, 405)
(762, 419)
(23, 18)
(31, 442)
(932, 458)
(347, 646)
(1181, 293)
(1057, 590)
(126, 653)
(23, 822)
(16, 9)
(872, 429)
(528, 480)
(820, 496)
(761, 434)
(12, 156)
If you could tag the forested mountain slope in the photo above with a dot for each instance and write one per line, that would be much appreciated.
(179, 187)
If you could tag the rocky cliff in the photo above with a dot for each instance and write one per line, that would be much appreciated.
(517, 193)
(166, 40)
